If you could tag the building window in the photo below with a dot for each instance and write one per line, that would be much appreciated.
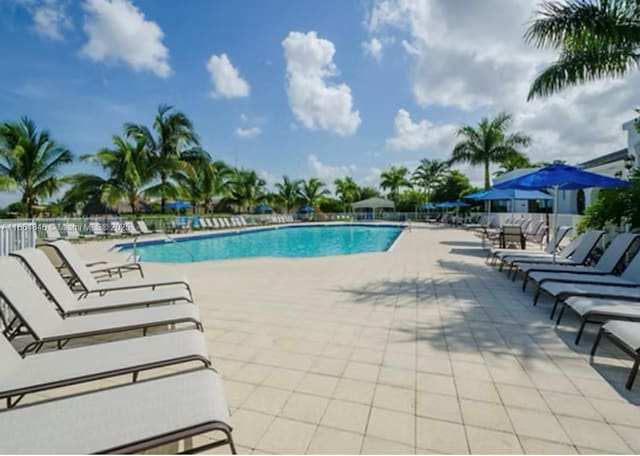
(580, 202)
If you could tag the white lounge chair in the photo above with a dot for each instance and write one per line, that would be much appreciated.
(84, 277)
(71, 232)
(626, 336)
(124, 419)
(116, 228)
(497, 253)
(67, 252)
(606, 265)
(624, 286)
(142, 226)
(36, 315)
(582, 250)
(51, 232)
(131, 229)
(599, 311)
(96, 229)
(67, 303)
(43, 371)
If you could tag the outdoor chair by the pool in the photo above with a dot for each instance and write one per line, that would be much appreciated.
(68, 304)
(43, 371)
(130, 418)
(234, 222)
(72, 232)
(626, 336)
(51, 232)
(216, 223)
(225, 222)
(87, 281)
(206, 224)
(97, 230)
(624, 286)
(131, 229)
(242, 221)
(68, 254)
(481, 223)
(581, 253)
(606, 265)
(553, 244)
(142, 226)
(36, 315)
(537, 232)
(117, 228)
(599, 311)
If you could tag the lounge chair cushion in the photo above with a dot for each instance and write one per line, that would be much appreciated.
(627, 331)
(608, 308)
(586, 289)
(109, 419)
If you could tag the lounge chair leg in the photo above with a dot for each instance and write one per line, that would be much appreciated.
(144, 331)
(525, 281)
(596, 342)
(553, 309)
(536, 296)
(135, 376)
(560, 313)
(581, 330)
(633, 373)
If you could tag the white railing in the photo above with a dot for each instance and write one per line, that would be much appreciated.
(14, 236)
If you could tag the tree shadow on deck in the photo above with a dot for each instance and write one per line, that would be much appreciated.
(477, 310)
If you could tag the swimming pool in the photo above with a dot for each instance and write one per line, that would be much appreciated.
(292, 242)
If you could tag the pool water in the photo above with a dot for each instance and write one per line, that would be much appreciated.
(293, 242)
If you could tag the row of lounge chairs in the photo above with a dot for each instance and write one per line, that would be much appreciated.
(133, 417)
(605, 292)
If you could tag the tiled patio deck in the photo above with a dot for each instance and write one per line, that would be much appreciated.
(423, 349)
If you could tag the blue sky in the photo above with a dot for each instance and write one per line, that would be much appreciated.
(301, 87)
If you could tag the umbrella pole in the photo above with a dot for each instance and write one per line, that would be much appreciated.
(556, 190)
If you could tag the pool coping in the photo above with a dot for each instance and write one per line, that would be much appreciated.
(168, 238)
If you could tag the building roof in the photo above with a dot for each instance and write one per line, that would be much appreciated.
(604, 159)
(373, 203)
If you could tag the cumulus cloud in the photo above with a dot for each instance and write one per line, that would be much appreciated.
(315, 101)
(469, 57)
(249, 132)
(226, 79)
(373, 48)
(326, 172)
(119, 32)
(50, 17)
(423, 135)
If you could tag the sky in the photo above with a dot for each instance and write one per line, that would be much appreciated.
(303, 88)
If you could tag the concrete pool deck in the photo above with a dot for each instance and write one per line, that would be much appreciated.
(422, 349)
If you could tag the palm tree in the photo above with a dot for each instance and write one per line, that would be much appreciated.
(394, 179)
(246, 188)
(30, 161)
(288, 192)
(513, 163)
(429, 174)
(205, 179)
(489, 143)
(128, 172)
(596, 39)
(347, 190)
(172, 133)
(312, 190)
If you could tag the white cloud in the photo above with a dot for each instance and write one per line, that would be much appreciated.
(328, 173)
(50, 19)
(226, 80)
(118, 31)
(250, 132)
(373, 48)
(421, 135)
(315, 102)
(471, 57)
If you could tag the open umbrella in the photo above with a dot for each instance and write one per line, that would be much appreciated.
(307, 208)
(560, 177)
(262, 208)
(178, 205)
(513, 194)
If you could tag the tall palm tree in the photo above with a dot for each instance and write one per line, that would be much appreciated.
(31, 161)
(347, 190)
(429, 174)
(513, 163)
(288, 192)
(128, 174)
(596, 39)
(246, 188)
(312, 190)
(489, 143)
(171, 135)
(205, 179)
(394, 179)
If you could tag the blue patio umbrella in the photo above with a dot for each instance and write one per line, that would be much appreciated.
(262, 208)
(445, 205)
(178, 205)
(560, 177)
(307, 208)
(428, 206)
(459, 204)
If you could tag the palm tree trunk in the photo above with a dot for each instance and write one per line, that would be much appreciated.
(487, 177)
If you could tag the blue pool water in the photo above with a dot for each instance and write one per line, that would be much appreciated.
(294, 242)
